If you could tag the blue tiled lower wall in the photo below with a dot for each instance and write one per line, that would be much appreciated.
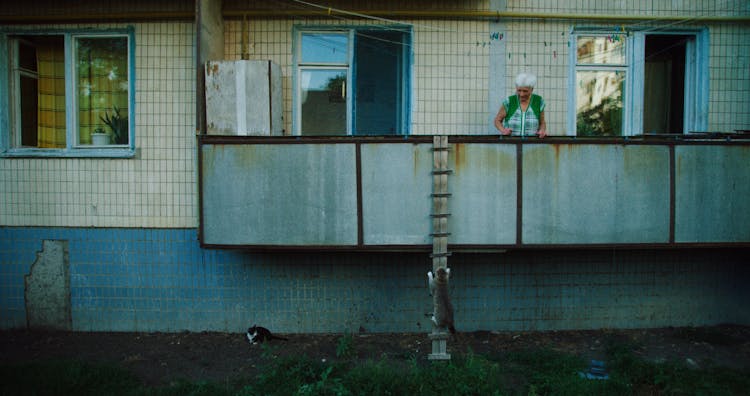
(162, 280)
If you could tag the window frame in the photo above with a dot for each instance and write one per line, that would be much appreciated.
(406, 74)
(9, 147)
(696, 77)
(301, 66)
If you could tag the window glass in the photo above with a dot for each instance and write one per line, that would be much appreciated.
(666, 75)
(600, 84)
(378, 84)
(324, 48)
(599, 98)
(27, 53)
(102, 82)
(38, 91)
(352, 82)
(323, 97)
(63, 87)
(601, 50)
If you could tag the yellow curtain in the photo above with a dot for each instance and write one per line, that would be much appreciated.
(51, 102)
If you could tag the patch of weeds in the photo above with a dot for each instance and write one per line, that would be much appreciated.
(531, 372)
(383, 378)
(268, 351)
(673, 378)
(540, 372)
(467, 375)
(285, 376)
(345, 347)
(66, 378)
(327, 384)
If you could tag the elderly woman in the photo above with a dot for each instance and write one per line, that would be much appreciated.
(522, 114)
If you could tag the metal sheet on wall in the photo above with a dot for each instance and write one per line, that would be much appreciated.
(483, 188)
(396, 188)
(712, 191)
(300, 194)
(589, 194)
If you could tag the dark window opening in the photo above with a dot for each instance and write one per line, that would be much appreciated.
(379, 68)
(664, 84)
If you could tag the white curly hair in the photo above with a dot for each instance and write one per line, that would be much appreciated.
(525, 80)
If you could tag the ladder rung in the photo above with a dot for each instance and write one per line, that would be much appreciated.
(441, 149)
(446, 254)
(442, 171)
(440, 234)
(439, 195)
(440, 215)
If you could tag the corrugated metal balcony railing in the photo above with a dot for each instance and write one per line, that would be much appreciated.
(376, 193)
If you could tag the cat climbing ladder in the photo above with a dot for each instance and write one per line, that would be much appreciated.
(440, 215)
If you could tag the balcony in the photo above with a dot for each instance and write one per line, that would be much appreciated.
(376, 193)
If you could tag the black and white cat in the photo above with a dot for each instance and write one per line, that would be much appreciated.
(258, 334)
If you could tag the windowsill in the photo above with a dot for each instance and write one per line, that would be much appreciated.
(118, 152)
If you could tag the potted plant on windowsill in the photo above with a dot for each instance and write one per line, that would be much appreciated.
(99, 137)
(118, 124)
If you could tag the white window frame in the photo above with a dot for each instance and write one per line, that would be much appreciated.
(696, 78)
(323, 66)
(10, 142)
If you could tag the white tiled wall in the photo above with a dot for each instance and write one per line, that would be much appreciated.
(450, 77)
(729, 105)
(450, 92)
(155, 189)
(635, 7)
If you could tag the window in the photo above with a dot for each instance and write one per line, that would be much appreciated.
(352, 81)
(67, 94)
(631, 83)
(600, 85)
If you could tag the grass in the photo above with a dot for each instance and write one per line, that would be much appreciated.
(537, 372)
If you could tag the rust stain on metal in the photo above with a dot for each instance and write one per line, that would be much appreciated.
(459, 153)
(213, 69)
(415, 150)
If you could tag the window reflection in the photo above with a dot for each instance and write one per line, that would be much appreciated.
(323, 97)
(601, 50)
(324, 48)
(599, 98)
(102, 89)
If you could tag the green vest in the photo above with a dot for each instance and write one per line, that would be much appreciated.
(513, 103)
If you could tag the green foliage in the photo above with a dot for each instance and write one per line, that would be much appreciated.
(326, 385)
(286, 377)
(602, 120)
(383, 378)
(532, 372)
(345, 347)
(544, 372)
(118, 124)
(65, 378)
(674, 378)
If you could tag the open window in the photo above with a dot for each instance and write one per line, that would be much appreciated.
(67, 93)
(352, 81)
(638, 82)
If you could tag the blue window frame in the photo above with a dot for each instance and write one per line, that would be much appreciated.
(352, 81)
(635, 82)
(67, 93)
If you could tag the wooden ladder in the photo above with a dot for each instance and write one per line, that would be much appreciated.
(439, 215)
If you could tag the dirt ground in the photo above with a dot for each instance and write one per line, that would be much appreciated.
(160, 358)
